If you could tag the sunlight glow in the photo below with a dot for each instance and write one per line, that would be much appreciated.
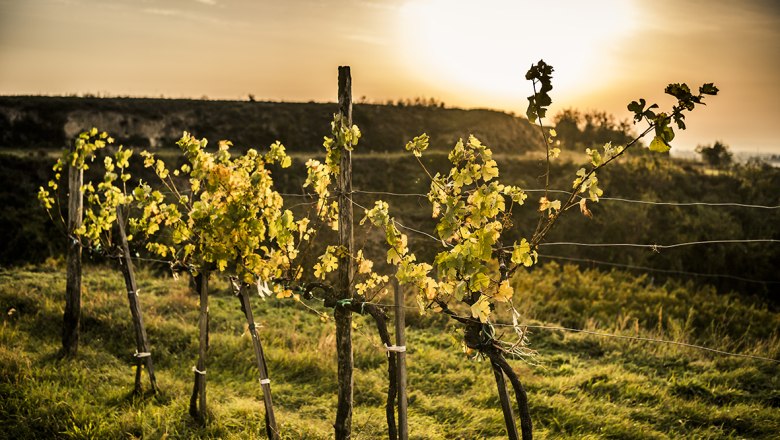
(486, 47)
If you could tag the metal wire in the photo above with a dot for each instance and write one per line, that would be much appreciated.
(651, 269)
(611, 199)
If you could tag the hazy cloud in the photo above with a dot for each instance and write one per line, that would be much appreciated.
(191, 16)
(163, 12)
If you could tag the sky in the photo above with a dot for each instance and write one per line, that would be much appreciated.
(467, 53)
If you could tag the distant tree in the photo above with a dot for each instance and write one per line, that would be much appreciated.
(567, 125)
(576, 129)
(717, 155)
(417, 101)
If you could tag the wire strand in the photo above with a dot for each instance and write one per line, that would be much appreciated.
(611, 199)
(644, 339)
(401, 225)
(651, 269)
(611, 335)
(658, 246)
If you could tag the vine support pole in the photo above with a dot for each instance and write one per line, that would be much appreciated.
(342, 315)
(72, 315)
(142, 347)
(198, 407)
(392, 373)
(270, 419)
(400, 340)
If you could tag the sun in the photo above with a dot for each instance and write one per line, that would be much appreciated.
(484, 48)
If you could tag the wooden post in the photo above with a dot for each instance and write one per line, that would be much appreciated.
(198, 407)
(143, 352)
(270, 419)
(72, 315)
(342, 315)
(400, 338)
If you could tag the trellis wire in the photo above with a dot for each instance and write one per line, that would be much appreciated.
(650, 269)
(607, 335)
(612, 199)
(639, 245)
(657, 246)
(584, 260)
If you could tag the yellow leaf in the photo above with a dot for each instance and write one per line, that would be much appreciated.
(430, 288)
(286, 293)
(365, 266)
(504, 292)
(584, 208)
(393, 257)
(481, 309)
(546, 204)
(489, 170)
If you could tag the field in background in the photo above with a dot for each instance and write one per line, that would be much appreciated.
(580, 386)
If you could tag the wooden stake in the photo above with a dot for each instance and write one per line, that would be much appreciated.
(400, 338)
(198, 406)
(342, 315)
(143, 350)
(270, 419)
(72, 315)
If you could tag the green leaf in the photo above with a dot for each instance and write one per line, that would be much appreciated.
(708, 89)
(659, 145)
(479, 282)
(522, 254)
(679, 91)
(418, 144)
(540, 73)
(637, 107)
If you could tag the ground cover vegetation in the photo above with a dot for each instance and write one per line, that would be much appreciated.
(581, 386)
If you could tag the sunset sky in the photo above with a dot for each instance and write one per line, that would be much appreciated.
(465, 53)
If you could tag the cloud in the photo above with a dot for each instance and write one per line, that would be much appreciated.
(163, 12)
(207, 2)
(191, 16)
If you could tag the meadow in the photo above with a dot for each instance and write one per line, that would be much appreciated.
(580, 386)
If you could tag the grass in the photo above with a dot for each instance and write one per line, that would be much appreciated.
(580, 386)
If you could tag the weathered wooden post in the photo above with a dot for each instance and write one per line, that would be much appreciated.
(343, 315)
(143, 352)
(270, 419)
(72, 315)
(400, 341)
(198, 407)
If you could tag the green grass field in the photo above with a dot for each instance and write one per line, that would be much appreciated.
(579, 386)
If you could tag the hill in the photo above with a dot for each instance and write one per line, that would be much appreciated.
(33, 122)
(41, 124)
